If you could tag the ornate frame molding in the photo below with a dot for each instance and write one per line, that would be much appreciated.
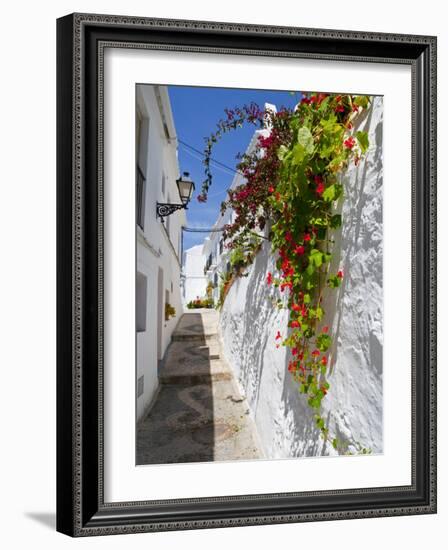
(81, 42)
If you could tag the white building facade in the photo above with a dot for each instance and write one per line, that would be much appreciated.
(194, 279)
(158, 244)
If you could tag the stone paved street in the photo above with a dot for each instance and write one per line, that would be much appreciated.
(199, 414)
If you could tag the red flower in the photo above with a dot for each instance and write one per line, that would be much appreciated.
(339, 109)
(271, 189)
(349, 142)
(299, 250)
(295, 307)
(340, 274)
(269, 278)
(324, 361)
(285, 285)
(320, 189)
(325, 329)
(295, 324)
(316, 353)
(278, 336)
(307, 237)
(318, 179)
(288, 236)
(294, 351)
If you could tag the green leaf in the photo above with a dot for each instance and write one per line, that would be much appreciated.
(335, 443)
(305, 138)
(306, 299)
(282, 152)
(323, 342)
(363, 140)
(332, 192)
(336, 221)
(334, 281)
(316, 257)
(361, 101)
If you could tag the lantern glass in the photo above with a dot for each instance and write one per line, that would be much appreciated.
(186, 188)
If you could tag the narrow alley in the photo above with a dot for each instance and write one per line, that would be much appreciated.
(199, 413)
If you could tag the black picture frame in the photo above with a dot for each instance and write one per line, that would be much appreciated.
(81, 510)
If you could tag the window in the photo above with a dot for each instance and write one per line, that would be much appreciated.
(163, 187)
(141, 153)
(140, 192)
(141, 285)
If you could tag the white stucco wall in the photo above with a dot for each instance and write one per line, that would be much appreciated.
(195, 282)
(158, 245)
(249, 323)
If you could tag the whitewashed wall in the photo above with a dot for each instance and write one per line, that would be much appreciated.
(158, 245)
(249, 323)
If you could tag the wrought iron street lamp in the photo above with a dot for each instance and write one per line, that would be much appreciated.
(185, 187)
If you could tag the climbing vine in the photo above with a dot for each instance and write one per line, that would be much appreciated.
(292, 184)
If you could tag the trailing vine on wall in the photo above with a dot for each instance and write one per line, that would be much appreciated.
(292, 184)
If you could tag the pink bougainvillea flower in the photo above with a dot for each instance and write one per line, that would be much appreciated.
(339, 109)
(299, 250)
(295, 307)
(315, 353)
(340, 274)
(307, 237)
(269, 278)
(294, 351)
(349, 142)
(278, 335)
(295, 324)
(320, 189)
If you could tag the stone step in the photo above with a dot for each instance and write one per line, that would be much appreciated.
(187, 363)
(188, 336)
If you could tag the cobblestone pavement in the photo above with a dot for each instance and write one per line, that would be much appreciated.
(199, 414)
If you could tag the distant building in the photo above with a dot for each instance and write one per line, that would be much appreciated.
(194, 279)
(158, 244)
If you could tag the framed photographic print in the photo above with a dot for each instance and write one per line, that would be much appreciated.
(246, 274)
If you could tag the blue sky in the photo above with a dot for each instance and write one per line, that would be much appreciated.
(196, 112)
